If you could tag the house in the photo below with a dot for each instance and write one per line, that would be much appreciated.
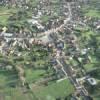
(4, 29)
(7, 34)
(98, 27)
(91, 81)
(60, 44)
(46, 39)
(36, 23)
(53, 61)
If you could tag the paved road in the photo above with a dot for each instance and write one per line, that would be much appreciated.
(67, 70)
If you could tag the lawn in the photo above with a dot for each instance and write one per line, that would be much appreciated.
(11, 93)
(33, 75)
(7, 77)
(50, 92)
(45, 18)
(15, 94)
(93, 13)
(3, 19)
(89, 67)
(54, 90)
(5, 13)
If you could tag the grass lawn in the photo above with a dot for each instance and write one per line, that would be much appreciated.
(45, 18)
(89, 67)
(5, 13)
(15, 94)
(10, 93)
(33, 75)
(7, 77)
(87, 35)
(97, 97)
(73, 62)
(3, 19)
(50, 92)
(93, 13)
(54, 90)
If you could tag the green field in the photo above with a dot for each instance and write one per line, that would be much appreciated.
(33, 75)
(5, 13)
(50, 92)
(15, 94)
(11, 93)
(93, 13)
(54, 90)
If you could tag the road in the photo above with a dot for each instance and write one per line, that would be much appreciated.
(67, 69)
(69, 73)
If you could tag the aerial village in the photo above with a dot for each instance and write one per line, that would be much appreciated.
(49, 50)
